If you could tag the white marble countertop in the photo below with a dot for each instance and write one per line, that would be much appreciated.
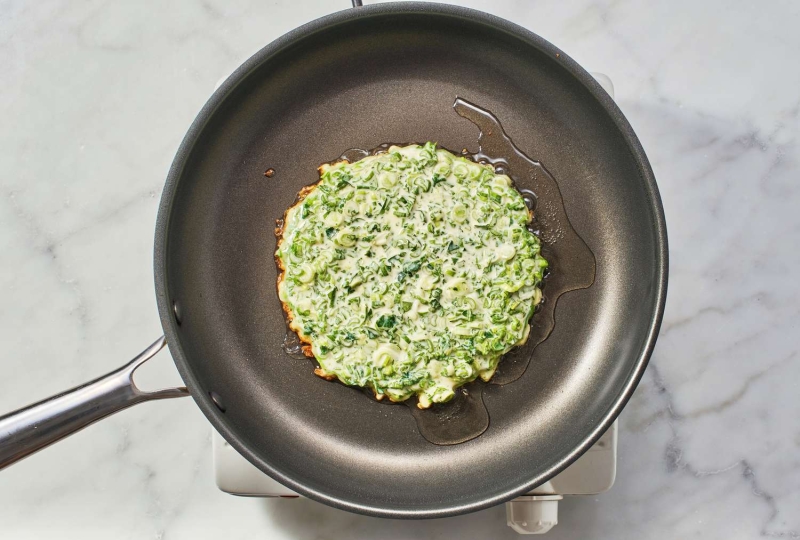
(94, 100)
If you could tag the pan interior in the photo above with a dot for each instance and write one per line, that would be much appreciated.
(358, 80)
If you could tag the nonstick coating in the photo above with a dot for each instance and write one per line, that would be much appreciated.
(358, 78)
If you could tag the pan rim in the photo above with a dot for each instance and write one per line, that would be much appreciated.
(170, 326)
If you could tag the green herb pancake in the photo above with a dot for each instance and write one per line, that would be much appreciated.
(410, 272)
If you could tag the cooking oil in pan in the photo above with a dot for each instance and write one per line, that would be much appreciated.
(572, 263)
(292, 345)
(572, 267)
(459, 420)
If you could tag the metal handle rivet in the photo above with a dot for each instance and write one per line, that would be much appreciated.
(176, 310)
(217, 401)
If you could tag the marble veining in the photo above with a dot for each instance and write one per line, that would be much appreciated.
(96, 97)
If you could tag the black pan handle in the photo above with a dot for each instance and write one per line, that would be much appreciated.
(357, 3)
(37, 426)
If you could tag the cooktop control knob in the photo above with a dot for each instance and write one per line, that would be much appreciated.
(533, 514)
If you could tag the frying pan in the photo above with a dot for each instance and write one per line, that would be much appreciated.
(359, 78)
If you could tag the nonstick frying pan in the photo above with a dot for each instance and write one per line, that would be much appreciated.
(358, 78)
